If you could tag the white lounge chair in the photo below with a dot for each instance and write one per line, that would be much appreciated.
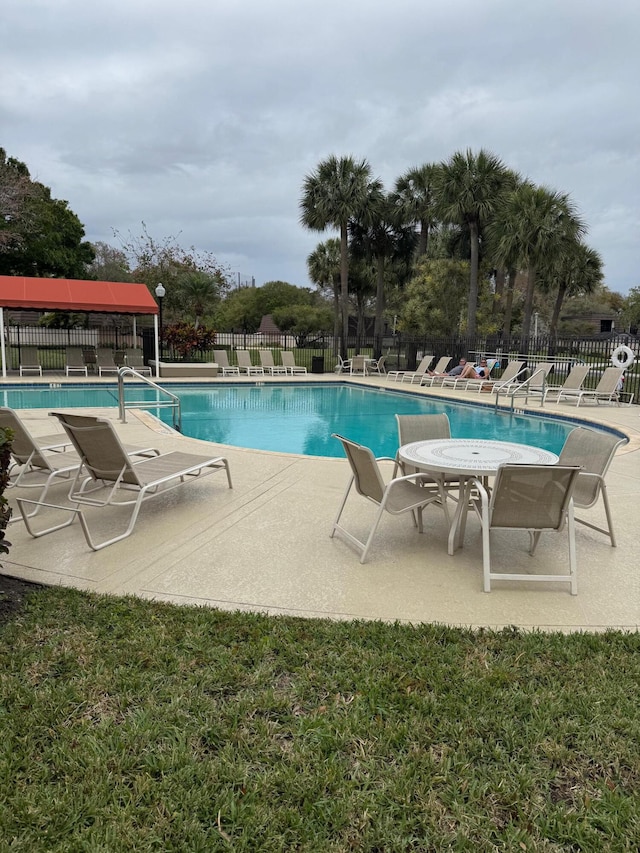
(222, 360)
(266, 360)
(438, 371)
(74, 361)
(135, 360)
(606, 391)
(400, 495)
(40, 462)
(288, 360)
(535, 498)
(420, 371)
(572, 384)
(514, 374)
(30, 361)
(108, 477)
(105, 361)
(535, 385)
(245, 365)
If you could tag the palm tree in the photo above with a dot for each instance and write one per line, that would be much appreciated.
(340, 189)
(534, 225)
(198, 293)
(579, 271)
(323, 265)
(415, 200)
(379, 240)
(470, 187)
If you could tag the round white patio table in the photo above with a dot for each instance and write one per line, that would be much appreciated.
(469, 457)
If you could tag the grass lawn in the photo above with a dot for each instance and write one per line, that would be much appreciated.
(134, 726)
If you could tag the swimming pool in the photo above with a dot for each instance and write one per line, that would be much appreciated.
(299, 418)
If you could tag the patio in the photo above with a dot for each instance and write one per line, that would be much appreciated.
(265, 545)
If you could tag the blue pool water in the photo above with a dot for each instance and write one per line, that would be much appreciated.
(299, 418)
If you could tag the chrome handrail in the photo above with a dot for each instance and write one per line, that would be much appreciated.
(526, 384)
(173, 401)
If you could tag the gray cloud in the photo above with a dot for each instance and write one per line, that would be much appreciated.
(202, 118)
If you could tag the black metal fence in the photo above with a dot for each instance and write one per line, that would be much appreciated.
(321, 353)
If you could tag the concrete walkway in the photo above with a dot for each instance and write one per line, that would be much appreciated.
(265, 546)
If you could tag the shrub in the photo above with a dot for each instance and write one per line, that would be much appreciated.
(6, 437)
(185, 337)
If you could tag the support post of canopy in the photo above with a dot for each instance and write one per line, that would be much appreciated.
(2, 344)
(156, 344)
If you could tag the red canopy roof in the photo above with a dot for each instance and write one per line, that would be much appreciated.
(64, 294)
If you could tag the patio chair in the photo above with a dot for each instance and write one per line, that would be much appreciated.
(41, 461)
(377, 366)
(536, 498)
(74, 361)
(105, 361)
(594, 452)
(420, 371)
(572, 384)
(288, 360)
(135, 360)
(222, 360)
(606, 391)
(30, 361)
(113, 479)
(244, 363)
(358, 365)
(423, 428)
(438, 371)
(343, 365)
(400, 495)
(266, 360)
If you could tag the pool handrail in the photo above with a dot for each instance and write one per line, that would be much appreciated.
(173, 402)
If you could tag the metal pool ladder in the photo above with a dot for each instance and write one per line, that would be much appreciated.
(171, 400)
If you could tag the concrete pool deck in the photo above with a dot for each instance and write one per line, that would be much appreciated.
(264, 546)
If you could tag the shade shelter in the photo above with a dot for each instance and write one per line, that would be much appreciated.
(63, 294)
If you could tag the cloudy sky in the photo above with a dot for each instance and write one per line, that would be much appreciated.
(202, 117)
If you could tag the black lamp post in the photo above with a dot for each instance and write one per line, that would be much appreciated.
(160, 293)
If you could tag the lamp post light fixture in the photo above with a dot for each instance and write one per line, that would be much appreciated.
(160, 293)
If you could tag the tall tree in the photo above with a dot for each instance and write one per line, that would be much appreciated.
(323, 265)
(338, 190)
(470, 187)
(39, 235)
(577, 271)
(378, 240)
(414, 198)
(109, 264)
(16, 189)
(536, 226)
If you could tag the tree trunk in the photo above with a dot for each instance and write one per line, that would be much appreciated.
(528, 302)
(473, 281)
(553, 328)
(423, 240)
(344, 288)
(508, 306)
(377, 328)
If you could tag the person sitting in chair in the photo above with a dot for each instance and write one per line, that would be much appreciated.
(478, 371)
(455, 371)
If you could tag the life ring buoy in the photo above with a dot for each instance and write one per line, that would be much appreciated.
(629, 354)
